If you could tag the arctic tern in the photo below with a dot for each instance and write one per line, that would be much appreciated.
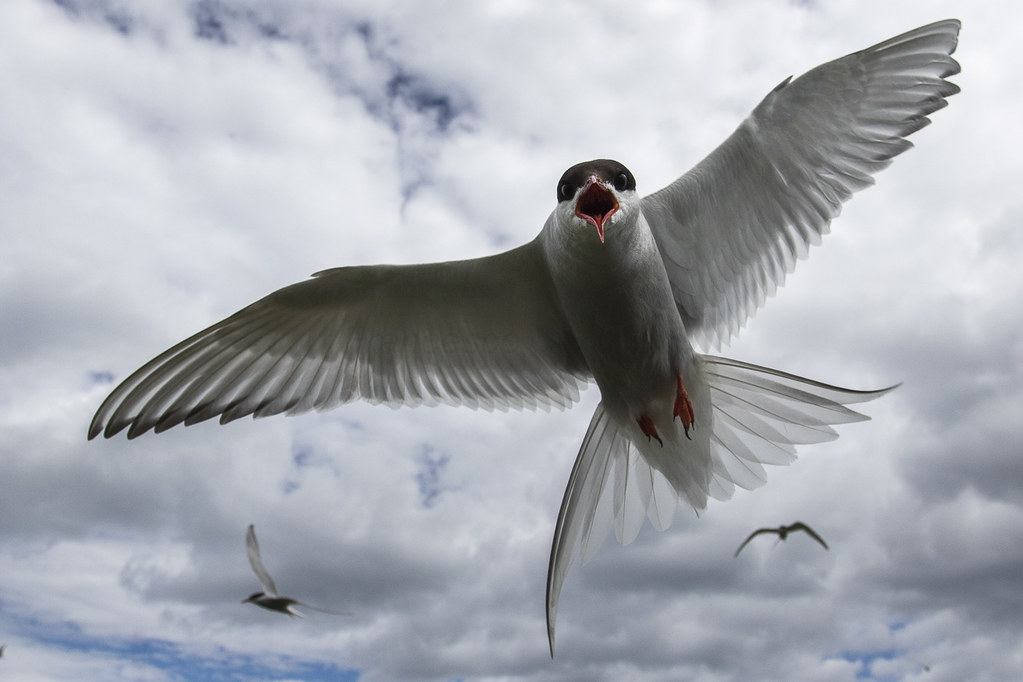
(783, 532)
(616, 289)
(268, 598)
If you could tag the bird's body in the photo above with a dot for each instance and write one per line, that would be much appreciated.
(783, 532)
(616, 289)
(280, 604)
(637, 360)
(268, 598)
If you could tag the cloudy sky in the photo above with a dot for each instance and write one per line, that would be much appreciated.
(164, 164)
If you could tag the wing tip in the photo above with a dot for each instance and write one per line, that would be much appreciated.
(108, 428)
(550, 607)
(94, 430)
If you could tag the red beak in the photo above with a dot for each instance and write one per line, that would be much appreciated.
(596, 204)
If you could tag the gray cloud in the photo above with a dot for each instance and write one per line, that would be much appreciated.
(162, 165)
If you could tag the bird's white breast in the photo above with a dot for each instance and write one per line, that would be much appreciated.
(619, 304)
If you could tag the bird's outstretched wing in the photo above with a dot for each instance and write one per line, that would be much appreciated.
(317, 608)
(731, 229)
(799, 525)
(753, 535)
(487, 332)
(252, 547)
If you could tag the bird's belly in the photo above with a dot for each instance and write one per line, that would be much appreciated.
(636, 359)
(619, 303)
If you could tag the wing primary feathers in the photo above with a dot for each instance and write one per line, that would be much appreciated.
(485, 333)
(771, 190)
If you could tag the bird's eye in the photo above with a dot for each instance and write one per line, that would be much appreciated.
(565, 192)
(621, 182)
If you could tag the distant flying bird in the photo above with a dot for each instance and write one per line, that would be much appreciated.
(615, 289)
(782, 532)
(268, 598)
(2, 650)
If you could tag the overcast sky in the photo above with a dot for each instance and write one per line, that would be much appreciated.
(163, 164)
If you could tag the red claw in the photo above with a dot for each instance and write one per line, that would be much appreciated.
(683, 408)
(646, 425)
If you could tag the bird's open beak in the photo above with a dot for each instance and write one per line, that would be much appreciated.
(596, 204)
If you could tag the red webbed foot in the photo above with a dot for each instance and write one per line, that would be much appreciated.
(683, 408)
(646, 425)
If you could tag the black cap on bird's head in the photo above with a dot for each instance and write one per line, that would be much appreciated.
(596, 203)
(252, 597)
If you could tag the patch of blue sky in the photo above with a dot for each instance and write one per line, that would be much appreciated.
(101, 377)
(411, 91)
(208, 24)
(424, 99)
(305, 458)
(866, 660)
(115, 17)
(430, 475)
(420, 112)
(169, 658)
(302, 457)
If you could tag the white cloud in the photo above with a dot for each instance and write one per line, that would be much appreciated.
(154, 180)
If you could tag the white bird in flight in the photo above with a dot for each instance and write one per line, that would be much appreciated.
(615, 289)
(269, 599)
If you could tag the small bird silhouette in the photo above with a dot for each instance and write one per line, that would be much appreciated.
(268, 598)
(783, 532)
(2, 650)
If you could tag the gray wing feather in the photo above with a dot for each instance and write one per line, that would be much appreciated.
(485, 333)
(317, 608)
(611, 484)
(252, 547)
(761, 414)
(601, 446)
(731, 229)
(752, 535)
(799, 525)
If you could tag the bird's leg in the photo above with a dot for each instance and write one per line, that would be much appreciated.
(683, 408)
(646, 425)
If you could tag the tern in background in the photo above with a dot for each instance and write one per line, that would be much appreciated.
(616, 289)
(783, 532)
(268, 598)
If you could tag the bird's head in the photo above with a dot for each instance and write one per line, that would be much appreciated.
(596, 192)
(252, 597)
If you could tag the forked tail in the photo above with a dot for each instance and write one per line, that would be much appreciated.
(758, 417)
